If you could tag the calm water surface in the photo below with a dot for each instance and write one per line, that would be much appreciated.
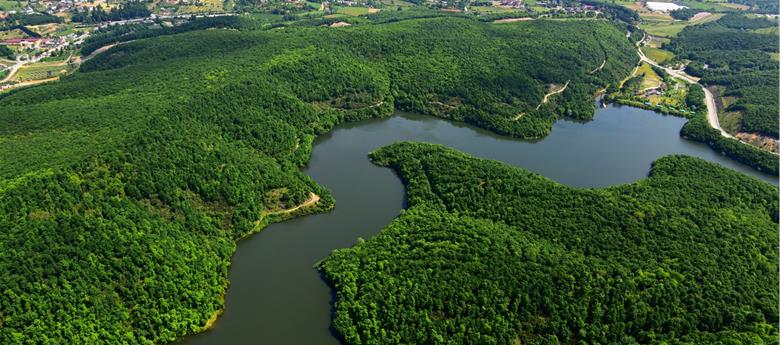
(276, 297)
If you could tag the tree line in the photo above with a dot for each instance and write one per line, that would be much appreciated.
(124, 186)
(491, 254)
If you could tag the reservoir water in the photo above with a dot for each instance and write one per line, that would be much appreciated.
(276, 296)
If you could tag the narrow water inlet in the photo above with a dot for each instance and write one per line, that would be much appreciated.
(275, 295)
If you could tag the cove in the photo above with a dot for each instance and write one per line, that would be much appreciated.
(277, 297)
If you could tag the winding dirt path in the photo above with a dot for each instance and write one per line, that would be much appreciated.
(544, 100)
(600, 67)
(313, 199)
(100, 50)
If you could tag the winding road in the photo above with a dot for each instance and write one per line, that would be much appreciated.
(709, 99)
(12, 70)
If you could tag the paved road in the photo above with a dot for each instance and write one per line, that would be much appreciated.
(712, 113)
(12, 70)
(709, 99)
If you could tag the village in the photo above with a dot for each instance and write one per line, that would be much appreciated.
(39, 41)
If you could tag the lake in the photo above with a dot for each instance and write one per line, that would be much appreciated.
(277, 297)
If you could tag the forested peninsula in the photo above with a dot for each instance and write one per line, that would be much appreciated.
(124, 187)
(487, 253)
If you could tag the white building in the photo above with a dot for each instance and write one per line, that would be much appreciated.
(663, 6)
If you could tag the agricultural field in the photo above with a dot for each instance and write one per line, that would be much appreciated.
(397, 3)
(658, 55)
(492, 9)
(670, 28)
(41, 71)
(650, 79)
(771, 31)
(354, 11)
(47, 29)
(663, 28)
(10, 5)
(713, 6)
(204, 6)
(9, 34)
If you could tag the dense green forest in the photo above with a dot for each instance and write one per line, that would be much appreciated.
(124, 187)
(29, 19)
(731, 53)
(760, 6)
(683, 13)
(130, 32)
(6, 52)
(491, 254)
(128, 10)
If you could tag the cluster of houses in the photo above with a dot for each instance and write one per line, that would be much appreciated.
(52, 7)
(509, 3)
(38, 43)
(656, 91)
(26, 11)
(568, 8)
(347, 3)
(32, 49)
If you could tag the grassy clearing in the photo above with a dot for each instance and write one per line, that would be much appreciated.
(656, 42)
(711, 18)
(492, 9)
(41, 71)
(353, 11)
(712, 6)
(16, 33)
(634, 6)
(654, 16)
(10, 5)
(208, 6)
(396, 3)
(730, 120)
(738, 7)
(663, 28)
(658, 55)
(773, 30)
(650, 79)
(45, 29)
(670, 28)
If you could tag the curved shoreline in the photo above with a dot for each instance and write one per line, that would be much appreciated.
(275, 294)
(709, 99)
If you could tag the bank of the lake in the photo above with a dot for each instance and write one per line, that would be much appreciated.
(277, 297)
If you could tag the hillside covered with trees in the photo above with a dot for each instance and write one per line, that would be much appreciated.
(734, 53)
(487, 253)
(124, 187)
